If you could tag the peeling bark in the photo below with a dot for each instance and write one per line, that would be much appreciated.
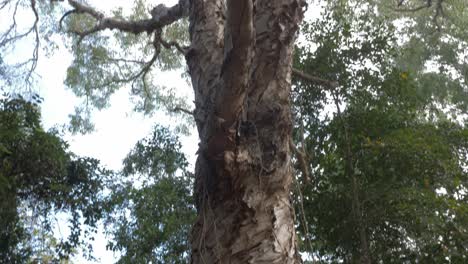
(240, 63)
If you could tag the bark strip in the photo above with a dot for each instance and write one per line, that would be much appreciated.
(238, 50)
(204, 59)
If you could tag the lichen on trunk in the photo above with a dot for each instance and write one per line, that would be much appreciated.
(240, 64)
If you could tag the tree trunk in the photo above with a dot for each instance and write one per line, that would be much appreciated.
(240, 64)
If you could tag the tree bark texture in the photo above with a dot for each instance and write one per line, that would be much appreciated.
(240, 64)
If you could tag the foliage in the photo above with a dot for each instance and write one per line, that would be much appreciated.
(97, 72)
(39, 177)
(408, 157)
(150, 204)
(433, 47)
(151, 210)
(391, 139)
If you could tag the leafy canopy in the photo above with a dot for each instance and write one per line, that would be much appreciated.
(38, 178)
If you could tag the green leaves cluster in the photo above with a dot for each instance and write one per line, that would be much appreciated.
(383, 141)
(40, 177)
(105, 62)
(150, 211)
(147, 210)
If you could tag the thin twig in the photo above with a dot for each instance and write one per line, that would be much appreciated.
(304, 219)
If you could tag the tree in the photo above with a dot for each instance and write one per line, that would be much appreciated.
(241, 80)
(40, 177)
(387, 163)
(151, 222)
(239, 58)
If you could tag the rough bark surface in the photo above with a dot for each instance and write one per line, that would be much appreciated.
(240, 63)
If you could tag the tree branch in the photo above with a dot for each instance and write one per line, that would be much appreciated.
(65, 15)
(35, 56)
(302, 160)
(414, 9)
(315, 79)
(411, 10)
(24, 69)
(439, 10)
(161, 16)
(170, 44)
(180, 109)
(356, 202)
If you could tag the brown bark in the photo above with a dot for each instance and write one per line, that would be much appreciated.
(240, 64)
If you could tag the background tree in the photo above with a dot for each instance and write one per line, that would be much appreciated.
(150, 211)
(38, 178)
(388, 163)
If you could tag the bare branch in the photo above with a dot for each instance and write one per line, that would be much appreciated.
(141, 73)
(65, 15)
(140, 62)
(147, 65)
(180, 109)
(439, 10)
(162, 17)
(5, 39)
(170, 44)
(11, 35)
(36, 34)
(302, 159)
(414, 9)
(314, 79)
